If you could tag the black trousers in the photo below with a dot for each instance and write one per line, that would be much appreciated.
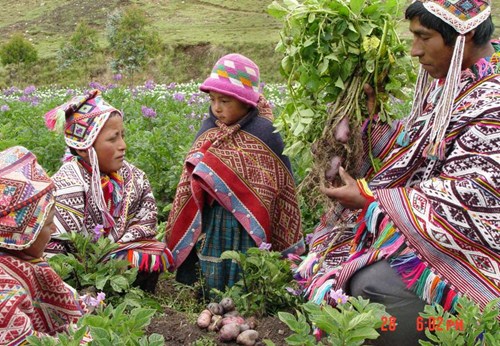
(381, 284)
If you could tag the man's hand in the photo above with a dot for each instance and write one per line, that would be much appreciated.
(348, 195)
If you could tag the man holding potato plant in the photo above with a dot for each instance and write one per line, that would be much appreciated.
(428, 220)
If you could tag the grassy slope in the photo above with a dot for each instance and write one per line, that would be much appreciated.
(237, 25)
(48, 22)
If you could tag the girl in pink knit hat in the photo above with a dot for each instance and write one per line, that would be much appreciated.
(98, 190)
(237, 189)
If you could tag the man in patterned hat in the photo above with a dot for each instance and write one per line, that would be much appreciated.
(99, 191)
(33, 298)
(430, 217)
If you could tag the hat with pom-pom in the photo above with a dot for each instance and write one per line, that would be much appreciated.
(234, 75)
(81, 119)
(26, 197)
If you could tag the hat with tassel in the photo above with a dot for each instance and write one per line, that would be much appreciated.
(463, 16)
(81, 120)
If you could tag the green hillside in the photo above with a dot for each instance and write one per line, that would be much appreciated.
(47, 23)
(195, 33)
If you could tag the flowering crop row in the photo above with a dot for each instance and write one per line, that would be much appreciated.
(160, 120)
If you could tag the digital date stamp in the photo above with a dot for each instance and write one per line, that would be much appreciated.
(438, 323)
(432, 324)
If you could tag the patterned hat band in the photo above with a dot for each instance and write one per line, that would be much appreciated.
(462, 15)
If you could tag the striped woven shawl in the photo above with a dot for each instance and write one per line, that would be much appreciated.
(241, 167)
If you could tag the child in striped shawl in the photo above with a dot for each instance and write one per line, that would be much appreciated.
(237, 189)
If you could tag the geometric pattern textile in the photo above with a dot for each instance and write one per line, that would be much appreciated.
(447, 211)
(82, 119)
(241, 167)
(34, 300)
(234, 75)
(25, 198)
(462, 15)
(135, 225)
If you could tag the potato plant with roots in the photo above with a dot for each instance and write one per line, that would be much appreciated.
(331, 49)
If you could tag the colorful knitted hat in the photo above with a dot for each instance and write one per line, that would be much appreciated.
(26, 196)
(463, 16)
(234, 75)
(81, 119)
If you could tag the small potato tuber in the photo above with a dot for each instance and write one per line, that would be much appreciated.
(227, 304)
(332, 172)
(233, 313)
(215, 323)
(229, 332)
(233, 319)
(244, 327)
(204, 319)
(248, 337)
(215, 308)
(252, 322)
(342, 131)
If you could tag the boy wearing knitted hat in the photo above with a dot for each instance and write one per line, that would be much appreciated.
(430, 215)
(97, 190)
(33, 298)
(236, 190)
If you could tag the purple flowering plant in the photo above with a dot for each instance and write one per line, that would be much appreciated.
(148, 112)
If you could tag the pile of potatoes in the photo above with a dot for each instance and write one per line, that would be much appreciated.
(224, 319)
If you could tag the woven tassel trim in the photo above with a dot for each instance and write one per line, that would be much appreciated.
(424, 283)
(148, 262)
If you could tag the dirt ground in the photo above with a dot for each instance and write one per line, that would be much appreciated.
(179, 328)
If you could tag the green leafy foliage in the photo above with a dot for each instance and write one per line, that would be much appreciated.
(346, 324)
(262, 289)
(157, 145)
(130, 39)
(469, 326)
(81, 46)
(331, 48)
(109, 326)
(88, 266)
(18, 50)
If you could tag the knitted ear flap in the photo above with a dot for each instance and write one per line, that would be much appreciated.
(56, 118)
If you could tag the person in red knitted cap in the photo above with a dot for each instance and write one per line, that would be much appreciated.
(237, 189)
(34, 300)
(99, 191)
(427, 221)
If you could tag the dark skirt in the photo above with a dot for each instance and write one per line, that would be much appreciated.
(221, 232)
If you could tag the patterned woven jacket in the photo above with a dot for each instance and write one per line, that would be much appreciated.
(437, 222)
(34, 300)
